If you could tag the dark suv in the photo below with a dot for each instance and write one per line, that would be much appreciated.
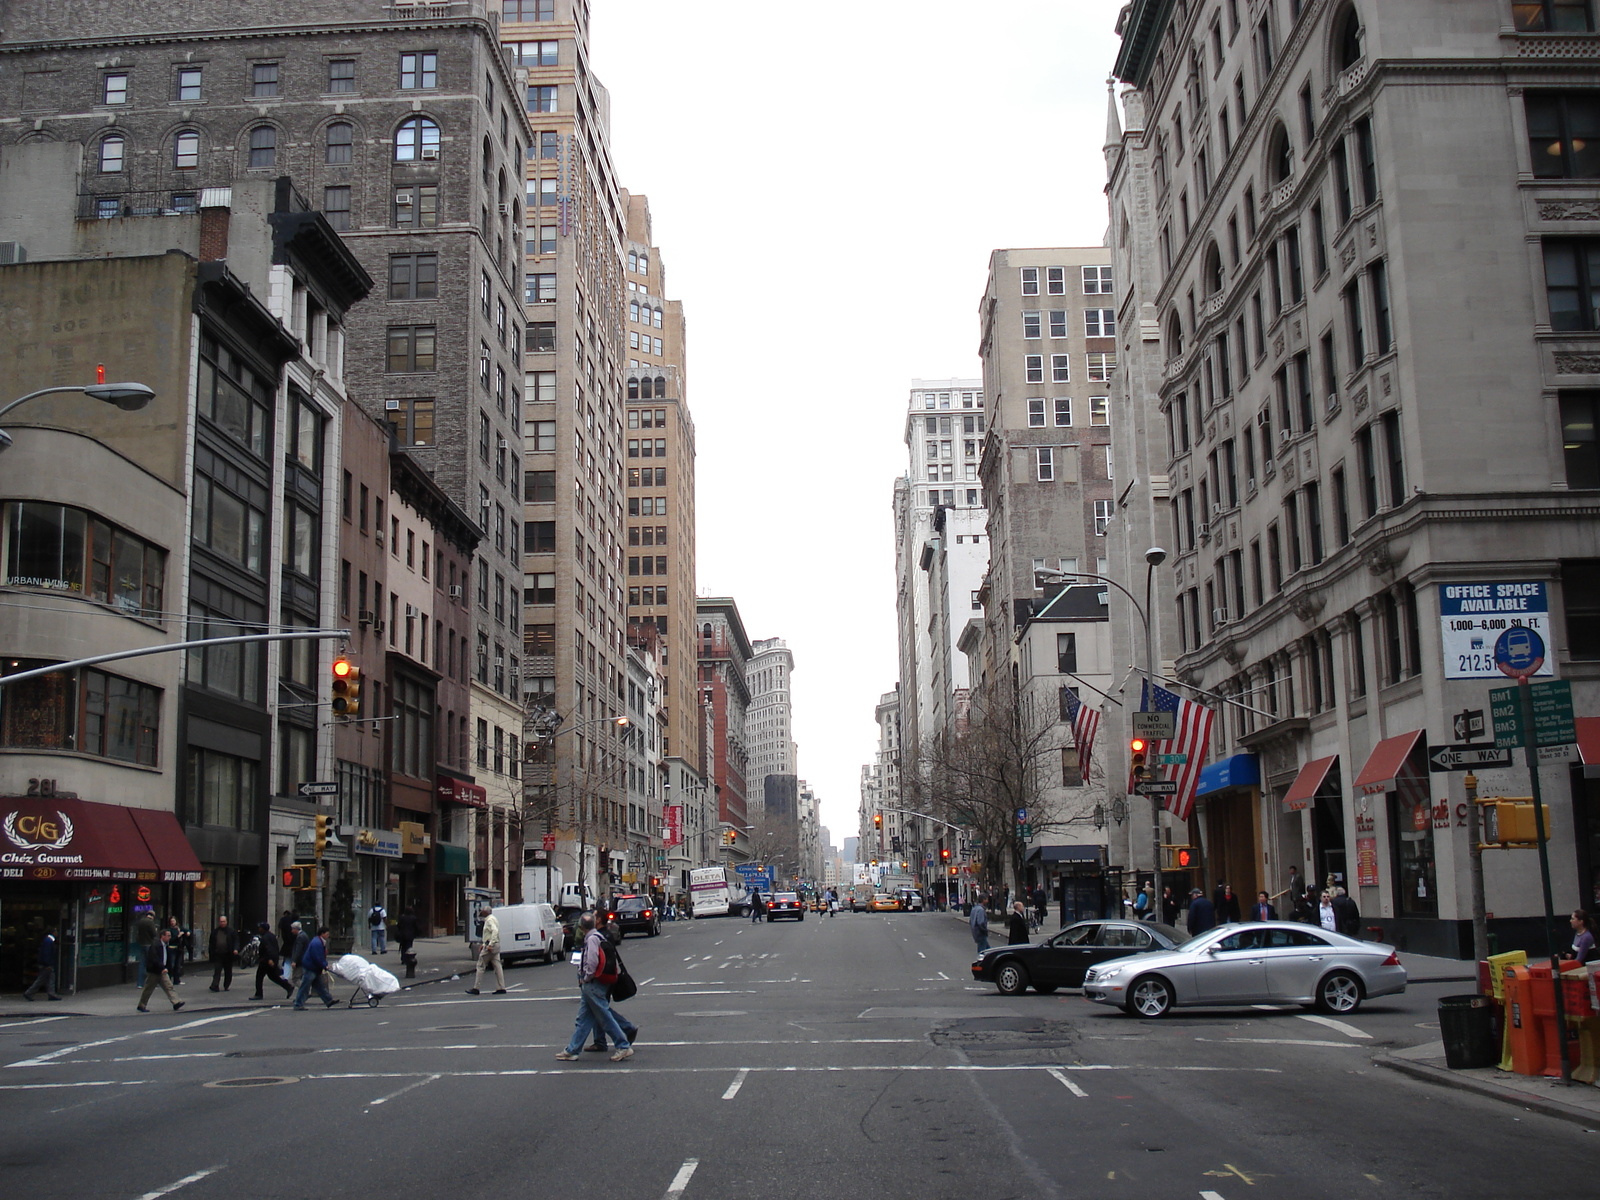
(634, 914)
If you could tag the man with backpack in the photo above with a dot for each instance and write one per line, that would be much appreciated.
(597, 971)
(613, 933)
(378, 922)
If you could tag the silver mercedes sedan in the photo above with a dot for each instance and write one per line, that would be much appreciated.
(1263, 962)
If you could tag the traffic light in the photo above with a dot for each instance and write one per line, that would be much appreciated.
(1136, 751)
(944, 853)
(323, 826)
(1181, 858)
(877, 821)
(729, 837)
(300, 879)
(1508, 821)
(346, 687)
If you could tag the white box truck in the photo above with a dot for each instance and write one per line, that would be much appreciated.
(716, 892)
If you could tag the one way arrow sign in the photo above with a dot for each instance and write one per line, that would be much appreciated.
(1466, 758)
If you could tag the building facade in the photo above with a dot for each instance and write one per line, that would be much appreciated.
(1364, 485)
(724, 652)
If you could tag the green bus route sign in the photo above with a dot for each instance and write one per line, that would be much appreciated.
(1552, 715)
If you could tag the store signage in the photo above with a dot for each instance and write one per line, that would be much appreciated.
(672, 825)
(381, 843)
(41, 839)
(412, 839)
(1366, 862)
(1474, 616)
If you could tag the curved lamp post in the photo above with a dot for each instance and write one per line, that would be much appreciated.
(129, 397)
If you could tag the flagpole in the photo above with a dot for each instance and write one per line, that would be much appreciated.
(1153, 558)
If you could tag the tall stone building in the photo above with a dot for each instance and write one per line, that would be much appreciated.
(770, 722)
(723, 649)
(1364, 483)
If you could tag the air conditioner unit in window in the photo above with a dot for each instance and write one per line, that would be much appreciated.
(1250, 484)
(367, 617)
(412, 611)
(391, 405)
(455, 591)
(377, 627)
(430, 152)
(378, 538)
(1204, 531)
(1219, 616)
(505, 210)
(1285, 434)
(402, 199)
(503, 443)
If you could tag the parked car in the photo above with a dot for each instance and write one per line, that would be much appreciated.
(785, 904)
(1063, 959)
(910, 900)
(883, 902)
(530, 931)
(634, 914)
(1262, 962)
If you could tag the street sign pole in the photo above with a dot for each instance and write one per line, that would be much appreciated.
(1480, 907)
(1530, 747)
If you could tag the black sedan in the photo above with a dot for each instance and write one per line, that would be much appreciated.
(635, 914)
(1062, 960)
(785, 904)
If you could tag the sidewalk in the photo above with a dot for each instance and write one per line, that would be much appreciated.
(1579, 1103)
(437, 960)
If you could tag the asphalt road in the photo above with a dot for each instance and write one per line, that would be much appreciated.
(851, 1056)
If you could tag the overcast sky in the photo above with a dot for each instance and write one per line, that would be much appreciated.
(827, 181)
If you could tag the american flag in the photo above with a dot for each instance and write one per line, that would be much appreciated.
(1085, 724)
(1193, 735)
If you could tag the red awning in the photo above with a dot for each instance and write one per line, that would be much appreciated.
(1589, 743)
(175, 857)
(1383, 765)
(49, 838)
(1306, 783)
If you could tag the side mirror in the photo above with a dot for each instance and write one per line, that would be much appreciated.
(1213, 948)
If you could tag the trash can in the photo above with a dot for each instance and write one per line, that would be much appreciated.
(1467, 1025)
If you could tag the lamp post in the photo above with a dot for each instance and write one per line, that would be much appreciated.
(547, 724)
(1153, 558)
(129, 397)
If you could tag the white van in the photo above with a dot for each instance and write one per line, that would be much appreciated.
(529, 931)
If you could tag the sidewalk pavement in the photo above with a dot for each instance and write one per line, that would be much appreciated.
(1579, 1102)
(438, 959)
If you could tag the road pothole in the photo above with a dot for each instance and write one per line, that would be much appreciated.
(254, 1081)
(202, 1037)
(1006, 1033)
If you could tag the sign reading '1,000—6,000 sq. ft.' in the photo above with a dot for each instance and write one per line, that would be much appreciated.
(1473, 615)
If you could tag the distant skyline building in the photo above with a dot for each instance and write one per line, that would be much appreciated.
(769, 724)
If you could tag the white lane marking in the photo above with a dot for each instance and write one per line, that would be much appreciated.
(1330, 1023)
(409, 1087)
(45, 1059)
(680, 1181)
(705, 958)
(1211, 1196)
(502, 1047)
(718, 942)
(480, 1000)
(920, 954)
(642, 982)
(184, 1182)
(854, 1068)
(34, 1021)
(33, 1087)
(1061, 1078)
(738, 1082)
(942, 975)
(688, 958)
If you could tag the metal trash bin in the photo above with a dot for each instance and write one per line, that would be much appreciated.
(1466, 1024)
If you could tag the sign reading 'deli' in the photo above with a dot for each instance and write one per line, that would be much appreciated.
(1474, 616)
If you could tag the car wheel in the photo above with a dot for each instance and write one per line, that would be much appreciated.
(1011, 978)
(1340, 992)
(1150, 997)
(552, 955)
(655, 929)
(1044, 989)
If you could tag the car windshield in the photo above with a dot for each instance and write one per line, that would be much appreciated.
(790, 896)
(632, 904)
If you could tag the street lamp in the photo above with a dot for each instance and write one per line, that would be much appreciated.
(129, 397)
(1153, 558)
(547, 724)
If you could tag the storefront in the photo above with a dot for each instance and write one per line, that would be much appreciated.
(1317, 790)
(90, 871)
(1229, 815)
(1075, 879)
(1586, 811)
(451, 872)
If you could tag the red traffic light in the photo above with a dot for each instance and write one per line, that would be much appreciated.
(341, 667)
(1136, 745)
(944, 853)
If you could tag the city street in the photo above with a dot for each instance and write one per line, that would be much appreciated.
(796, 1060)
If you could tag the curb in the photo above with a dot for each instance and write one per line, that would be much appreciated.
(1443, 1077)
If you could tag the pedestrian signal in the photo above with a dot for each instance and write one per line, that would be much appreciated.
(300, 879)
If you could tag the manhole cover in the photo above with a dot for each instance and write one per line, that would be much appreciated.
(450, 1028)
(281, 1052)
(254, 1081)
(49, 1043)
(202, 1037)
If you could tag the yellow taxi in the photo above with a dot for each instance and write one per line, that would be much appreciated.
(882, 902)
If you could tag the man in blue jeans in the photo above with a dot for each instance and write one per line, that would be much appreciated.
(594, 1004)
(313, 964)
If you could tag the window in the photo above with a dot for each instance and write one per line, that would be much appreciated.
(186, 150)
(1033, 368)
(85, 710)
(1099, 322)
(528, 10)
(1056, 281)
(188, 84)
(114, 88)
(263, 147)
(1553, 16)
(1099, 410)
(1030, 324)
(539, 487)
(541, 193)
(541, 337)
(1096, 281)
(417, 138)
(1067, 653)
(1061, 368)
(1341, 508)
(539, 288)
(539, 537)
(339, 143)
(342, 75)
(1291, 248)
(1044, 463)
(1030, 281)
(542, 98)
(411, 348)
(413, 276)
(419, 70)
(1101, 366)
(540, 387)
(1367, 161)
(411, 420)
(1579, 412)
(1035, 413)
(112, 150)
(1355, 322)
(68, 550)
(1063, 410)
(541, 239)
(1395, 452)
(417, 206)
(264, 79)
(1102, 516)
(233, 397)
(1580, 598)
(1058, 323)
(228, 524)
(1367, 466)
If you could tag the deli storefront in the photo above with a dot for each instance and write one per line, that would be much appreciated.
(89, 871)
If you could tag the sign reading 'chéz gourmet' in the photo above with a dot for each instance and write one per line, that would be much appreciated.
(61, 839)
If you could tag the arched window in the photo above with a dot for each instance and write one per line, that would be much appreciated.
(633, 389)
(661, 387)
(656, 318)
(417, 138)
(488, 161)
(645, 392)
(341, 139)
(112, 150)
(1280, 156)
(1347, 40)
(1213, 270)
(263, 147)
(186, 150)
(1174, 336)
